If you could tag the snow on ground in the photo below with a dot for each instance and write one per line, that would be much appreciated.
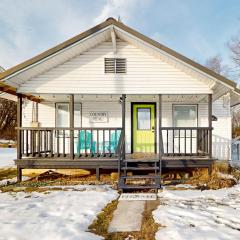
(195, 214)
(57, 215)
(5, 182)
(7, 141)
(6, 157)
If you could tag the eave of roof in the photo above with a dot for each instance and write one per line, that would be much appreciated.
(11, 90)
(112, 21)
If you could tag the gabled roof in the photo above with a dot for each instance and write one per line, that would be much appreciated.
(108, 22)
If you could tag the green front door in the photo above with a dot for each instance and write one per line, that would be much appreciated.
(143, 124)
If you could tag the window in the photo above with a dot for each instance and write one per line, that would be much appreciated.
(144, 118)
(185, 115)
(62, 115)
(115, 65)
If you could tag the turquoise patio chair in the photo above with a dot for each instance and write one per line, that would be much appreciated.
(81, 143)
(114, 141)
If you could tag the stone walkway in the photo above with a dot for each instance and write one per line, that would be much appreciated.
(127, 217)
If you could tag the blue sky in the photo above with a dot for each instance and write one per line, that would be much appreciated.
(198, 29)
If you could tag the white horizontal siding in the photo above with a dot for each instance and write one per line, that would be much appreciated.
(222, 132)
(221, 109)
(146, 74)
(46, 114)
(112, 108)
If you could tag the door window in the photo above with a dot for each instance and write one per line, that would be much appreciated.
(143, 118)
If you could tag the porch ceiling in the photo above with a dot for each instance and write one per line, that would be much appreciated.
(181, 98)
(8, 96)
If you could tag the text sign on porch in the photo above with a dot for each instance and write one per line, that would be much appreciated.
(98, 117)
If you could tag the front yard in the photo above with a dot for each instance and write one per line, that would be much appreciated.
(61, 213)
(195, 214)
(63, 207)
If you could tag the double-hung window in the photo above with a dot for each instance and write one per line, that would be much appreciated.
(62, 115)
(185, 116)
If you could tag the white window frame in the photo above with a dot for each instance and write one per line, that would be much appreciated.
(174, 120)
(56, 114)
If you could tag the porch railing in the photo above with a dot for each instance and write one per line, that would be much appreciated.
(56, 142)
(186, 141)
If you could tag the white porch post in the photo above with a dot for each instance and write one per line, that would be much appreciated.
(210, 123)
(19, 135)
(160, 143)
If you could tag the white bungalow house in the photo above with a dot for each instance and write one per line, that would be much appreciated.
(112, 98)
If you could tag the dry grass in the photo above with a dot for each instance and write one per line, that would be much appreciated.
(52, 178)
(6, 173)
(101, 223)
(67, 172)
(200, 177)
(203, 180)
(148, 229)
(8, 145)
(222, 167)
(42, 178)
(235, 172)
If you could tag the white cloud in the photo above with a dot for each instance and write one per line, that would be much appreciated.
(30, 27)
(119, 8)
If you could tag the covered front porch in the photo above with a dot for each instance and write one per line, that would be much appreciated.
(104, 133)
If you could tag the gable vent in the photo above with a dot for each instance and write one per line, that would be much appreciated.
(115, 65)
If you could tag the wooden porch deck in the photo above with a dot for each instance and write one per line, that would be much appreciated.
(168, 162)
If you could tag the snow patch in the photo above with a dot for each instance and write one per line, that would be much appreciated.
(226, 176)
(7, 155)
(187, 186)
(195, 214)
(5, 182)
(57, 215)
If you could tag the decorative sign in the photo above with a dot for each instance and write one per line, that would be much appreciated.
(98, 117)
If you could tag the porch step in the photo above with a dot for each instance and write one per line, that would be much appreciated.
(138, 187)
(140, 168)
(144, 160)
(141, 177)
(124, 185)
